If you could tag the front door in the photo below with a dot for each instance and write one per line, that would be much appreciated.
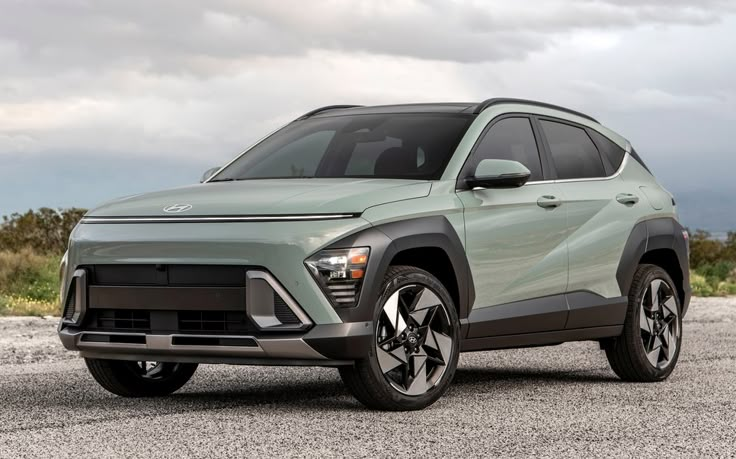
(515, 240)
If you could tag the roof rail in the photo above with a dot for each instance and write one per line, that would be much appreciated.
(501, 100)
(324, 109)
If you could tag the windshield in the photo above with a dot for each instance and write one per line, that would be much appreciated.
(402, 146)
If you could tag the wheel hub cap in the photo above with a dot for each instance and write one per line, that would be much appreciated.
(413, 340)
(659, 323)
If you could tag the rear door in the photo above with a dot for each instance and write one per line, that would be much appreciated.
(601, 212)
(515, 238)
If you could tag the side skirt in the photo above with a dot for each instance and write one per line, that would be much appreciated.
(540, 339)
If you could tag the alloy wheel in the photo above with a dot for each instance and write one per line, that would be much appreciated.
(414, 340)
(154, 370)
(659, 323)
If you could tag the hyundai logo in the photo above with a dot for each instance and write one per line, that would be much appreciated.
(177, 208)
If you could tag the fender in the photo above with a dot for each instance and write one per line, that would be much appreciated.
(389, 239)
(650, 235)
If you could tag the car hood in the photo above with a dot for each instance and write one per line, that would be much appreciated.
(268, 197)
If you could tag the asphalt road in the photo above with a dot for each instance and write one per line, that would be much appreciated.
(555, 401)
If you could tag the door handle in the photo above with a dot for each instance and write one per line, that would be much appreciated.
(548, 201)
(627, 198)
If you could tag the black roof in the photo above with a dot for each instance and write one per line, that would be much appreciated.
(445, 107)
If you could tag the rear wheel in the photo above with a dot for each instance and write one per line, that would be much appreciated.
(649, 346)
(140, 379)
(415, 346)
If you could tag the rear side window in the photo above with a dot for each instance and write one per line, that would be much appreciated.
(611, 153)
(573, 153)
(511, 139)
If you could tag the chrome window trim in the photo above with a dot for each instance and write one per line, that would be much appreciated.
(589, 179)
(230, 219)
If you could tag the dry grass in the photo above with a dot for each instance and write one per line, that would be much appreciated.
(24, 306)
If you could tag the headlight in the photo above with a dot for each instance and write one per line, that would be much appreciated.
(340, 273)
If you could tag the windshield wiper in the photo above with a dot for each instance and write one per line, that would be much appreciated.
(223, 180)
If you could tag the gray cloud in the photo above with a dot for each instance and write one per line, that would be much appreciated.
(189, 36)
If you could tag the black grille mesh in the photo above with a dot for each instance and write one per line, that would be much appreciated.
(71, 301)
(283, 312)
(214, 322)
(123, 319)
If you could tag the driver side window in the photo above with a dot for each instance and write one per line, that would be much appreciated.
(510, 139)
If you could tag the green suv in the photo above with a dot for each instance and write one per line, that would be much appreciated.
(384, 241)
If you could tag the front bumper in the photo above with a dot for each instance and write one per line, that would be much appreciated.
(325, 345)
(113, 312)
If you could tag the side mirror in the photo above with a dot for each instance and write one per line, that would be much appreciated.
(208, 173)
(498, 173)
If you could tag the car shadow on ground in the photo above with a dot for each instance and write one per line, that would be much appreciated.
(331, 395)
(506, 376)
(325, 393)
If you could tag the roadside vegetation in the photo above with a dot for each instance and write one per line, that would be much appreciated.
(31, 247)
(712, 264)
(32, 244)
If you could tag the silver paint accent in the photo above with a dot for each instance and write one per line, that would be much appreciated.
(233, 219)
(261, 313)
(286, 348)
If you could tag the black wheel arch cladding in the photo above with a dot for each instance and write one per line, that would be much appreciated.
(650, 236)
(388, 240)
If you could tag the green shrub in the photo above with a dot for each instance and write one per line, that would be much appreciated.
(700, 286)
(44, 230)
(721, 270)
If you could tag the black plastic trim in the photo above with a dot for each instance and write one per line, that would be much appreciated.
(175, 298)
(501, 100)
(526, 316)
(389, 239)
(539, 339)
(649, 235)
(572, 310)
(588, 309)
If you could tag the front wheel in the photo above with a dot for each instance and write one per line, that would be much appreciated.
(649, 346)
(415, 346)
(140, 379)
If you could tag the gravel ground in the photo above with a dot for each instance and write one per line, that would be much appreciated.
(555, 401)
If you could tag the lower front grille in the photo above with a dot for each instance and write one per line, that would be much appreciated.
(186, 322)
(188, 299)
(128, 320)
(213, 322)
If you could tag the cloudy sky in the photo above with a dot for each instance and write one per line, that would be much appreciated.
(106, 98)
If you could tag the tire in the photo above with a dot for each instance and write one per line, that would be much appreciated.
(428, 327)
(644, 352)
(140, 379)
